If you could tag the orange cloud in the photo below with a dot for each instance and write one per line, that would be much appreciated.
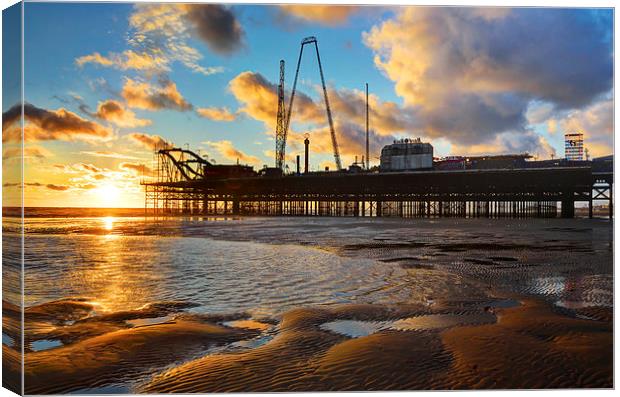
(325, 14)
(30, 153)
(259, 101)
(109, 154)
(595, 122)
(43, 124)
(229, 152)
(217, 114)
(116, 113)
(138, 169)
(142, 95)
(129, 59)
(60, 188)
(151, 142)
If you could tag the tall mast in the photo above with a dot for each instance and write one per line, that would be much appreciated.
(367, 137)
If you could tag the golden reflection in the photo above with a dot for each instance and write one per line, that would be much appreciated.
(108, 222)
(113, 282)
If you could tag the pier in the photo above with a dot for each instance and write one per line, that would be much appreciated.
(494, 193)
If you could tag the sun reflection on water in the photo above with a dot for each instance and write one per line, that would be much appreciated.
(108, 222)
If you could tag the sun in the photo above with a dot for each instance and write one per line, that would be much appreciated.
(108, 194)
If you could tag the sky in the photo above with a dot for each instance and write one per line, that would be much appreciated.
(105, 84)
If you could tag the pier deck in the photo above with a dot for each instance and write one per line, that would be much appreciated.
(528, 192)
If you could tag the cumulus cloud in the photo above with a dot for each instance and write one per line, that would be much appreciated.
(43, 124)
(143, 95)
(151, 142)
(217, 114)
(153, 61)
(526, 141)
(469, 73)
(330, 15)
(227, 150)
(138, 169)
(595, 122)
(258, 98)
(160, 36)
(115, 112)
(257, 95)
(216, 25)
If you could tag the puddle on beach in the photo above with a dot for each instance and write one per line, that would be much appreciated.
(252, 343)
(356, 328)
(7, 340)
(247, 324)
(139, 322)
(44, 344)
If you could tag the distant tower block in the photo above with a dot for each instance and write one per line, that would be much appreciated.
(573, 147)
(307, 152)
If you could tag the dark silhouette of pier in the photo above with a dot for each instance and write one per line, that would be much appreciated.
(494, 193)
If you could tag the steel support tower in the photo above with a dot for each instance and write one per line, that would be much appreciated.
(280, 127)
(312, 40)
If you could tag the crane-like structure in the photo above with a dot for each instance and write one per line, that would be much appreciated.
(281, 138)
(280, 122)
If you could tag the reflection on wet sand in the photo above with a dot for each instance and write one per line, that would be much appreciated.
(201, 306)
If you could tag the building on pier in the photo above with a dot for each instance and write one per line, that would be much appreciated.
(406, 155)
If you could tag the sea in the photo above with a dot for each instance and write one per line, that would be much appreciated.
(124, 259)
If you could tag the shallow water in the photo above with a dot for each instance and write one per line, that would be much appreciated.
(265, 266)
(245, 273)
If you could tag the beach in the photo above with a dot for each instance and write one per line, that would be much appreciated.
(223, 304)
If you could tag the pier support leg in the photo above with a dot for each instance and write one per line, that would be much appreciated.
(568, 207)
(378, 210)
(611, 205)
(235, 207)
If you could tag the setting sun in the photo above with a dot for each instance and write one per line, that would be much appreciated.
(108, 195)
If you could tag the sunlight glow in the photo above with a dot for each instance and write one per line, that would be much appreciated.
(108, 222)
(108, 195)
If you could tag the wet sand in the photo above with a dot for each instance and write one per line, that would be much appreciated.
(461, 306)
(529, 345)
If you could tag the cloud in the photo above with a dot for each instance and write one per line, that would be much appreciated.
(151, 142)
(43, 124)
(115, 112)
(163, 32)
(216, 25)
(30, 153)
(153, 62)
(229, 152)
(387, 119)
(330, 15)
(468, 74)
(60, 188)
(595, 122)
(90, 168)
(138, 169)
(217, 114)
(260, 101)
(143, 95)
(109, 154)
(526, 141)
